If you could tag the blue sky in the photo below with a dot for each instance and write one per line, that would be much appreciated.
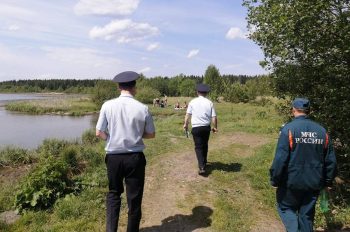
(100, 38)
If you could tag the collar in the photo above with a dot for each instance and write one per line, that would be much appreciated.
(126, 95)
(302, 117)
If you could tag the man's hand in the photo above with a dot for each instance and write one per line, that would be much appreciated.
(185, 126)
(215, 130)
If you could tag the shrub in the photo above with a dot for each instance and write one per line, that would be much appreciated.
(147, 94)
(104, 90)
(44, 185)
(69, 156)
(51, 148)
(92, 156)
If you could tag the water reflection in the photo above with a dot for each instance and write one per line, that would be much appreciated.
(28, 131)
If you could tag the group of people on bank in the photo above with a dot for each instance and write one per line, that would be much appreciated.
(300, 169)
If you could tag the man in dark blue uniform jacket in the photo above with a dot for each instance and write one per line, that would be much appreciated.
(304, 164)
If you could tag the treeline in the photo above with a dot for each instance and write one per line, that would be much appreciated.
(230, 88)
(51, 85)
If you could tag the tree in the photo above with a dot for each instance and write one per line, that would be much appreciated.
(104, 90)
(214, 80)
(306, 46)
(187, 88)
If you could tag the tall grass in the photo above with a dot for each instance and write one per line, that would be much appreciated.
(73, 106)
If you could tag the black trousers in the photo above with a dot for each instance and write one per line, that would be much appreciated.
(201, 138)
(131, 167)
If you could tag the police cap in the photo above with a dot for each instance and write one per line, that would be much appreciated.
(126, 77)
(301, 103)
(202, 88)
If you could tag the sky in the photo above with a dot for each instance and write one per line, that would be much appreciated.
(80, 39)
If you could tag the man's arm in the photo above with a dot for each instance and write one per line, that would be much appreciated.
(101, 134)
(281, 159)
(214, 121)
(330, 165)
(150, 131)
(149, 135)
(187, 119)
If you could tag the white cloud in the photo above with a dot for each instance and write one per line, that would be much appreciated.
(153, 46)
(106, 7)
(80, 56)
(144, 70)
(13, 27)
(193, 53)
(235, 33)
(124, 31)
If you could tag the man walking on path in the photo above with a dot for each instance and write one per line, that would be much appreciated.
(304, 164)
(123, 123)
(202, 114)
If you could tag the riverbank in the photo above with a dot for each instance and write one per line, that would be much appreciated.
(56, 104)
(235, 196)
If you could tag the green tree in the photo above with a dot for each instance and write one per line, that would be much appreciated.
(306, 46)
(214, 80)
(188, 88)
(104, 90)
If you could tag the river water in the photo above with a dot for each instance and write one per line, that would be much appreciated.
(28, 131)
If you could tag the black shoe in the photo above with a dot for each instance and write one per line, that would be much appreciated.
(201, 171)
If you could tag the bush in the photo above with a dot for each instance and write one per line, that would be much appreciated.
(236, 93)
(104, 90)
(147, 94)
(51, 148)
(92, 156)
(69, 156)
(44, 185)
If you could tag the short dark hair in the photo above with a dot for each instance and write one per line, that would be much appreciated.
(127, 85)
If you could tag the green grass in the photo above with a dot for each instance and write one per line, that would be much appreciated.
(238, 189)
(66, 105)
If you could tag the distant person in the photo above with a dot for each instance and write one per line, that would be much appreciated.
(165, 100)
(162, 104)
(123, 123)
(202, 113)
(304, 164)
(155, 102)
(177, 105)
(185, 105)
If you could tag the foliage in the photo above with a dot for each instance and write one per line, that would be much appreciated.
(104, 90)
(89, 137)
(306, 45)
(147, 94)
(10, 156)
(188, 88)
(56, 85)
(52, 148)
(44, 185)
(236, 93)
(63, 105)
(214, 80)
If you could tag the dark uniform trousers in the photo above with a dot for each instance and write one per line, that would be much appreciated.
(131, 167)
(201, 138)
(297, 208)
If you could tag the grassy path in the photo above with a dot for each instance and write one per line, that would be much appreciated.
(178, 199)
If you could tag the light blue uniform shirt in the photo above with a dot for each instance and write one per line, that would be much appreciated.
(125, 119)
(202, 110)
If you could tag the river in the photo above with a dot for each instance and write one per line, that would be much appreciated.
(28, 131)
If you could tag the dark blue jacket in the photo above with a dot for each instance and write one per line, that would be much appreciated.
(305, 158)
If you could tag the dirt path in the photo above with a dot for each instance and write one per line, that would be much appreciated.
(172, 204)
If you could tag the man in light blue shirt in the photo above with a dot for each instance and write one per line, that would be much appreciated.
(202, 113)
(123, 123)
